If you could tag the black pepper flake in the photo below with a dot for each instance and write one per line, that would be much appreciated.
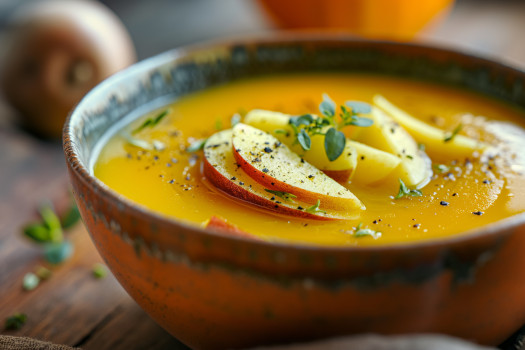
(278, 202)
(168, 164)
(454, 194)
(265, 170)
(310, 176)
(362, 157)
(256, 160)
(302, 160)
(486, 181)
(188, 177)
(268, 150)
(443, 203)
(156, 158)
(416, 225)
(241, 183)
(374, 222)
(129, 156)
(233, 178)
(300, 208)
(478, 213)
(171, 181)
(272, 199)
(273, 183)
(276, 206)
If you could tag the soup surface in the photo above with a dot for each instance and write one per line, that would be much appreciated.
(153, 167)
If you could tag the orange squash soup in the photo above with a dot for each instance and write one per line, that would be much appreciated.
(286, 158)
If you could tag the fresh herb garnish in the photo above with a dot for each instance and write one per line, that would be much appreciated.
(218, 125)
(404, 191)
(151, 122)
(145, 145)
(236, 119)
(308, 125)
(450, 136)
(196, 145)
(334, 143)
(442, 168)
(43, 273)
(30, 281)
(363, 232)
(15, 321)
(50, 232)
(315, 208)
(99, 271)
(284, 195)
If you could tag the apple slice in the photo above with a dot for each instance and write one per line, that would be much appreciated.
(220, 224)
(277, 124)
(433, 138)
(276, 167)
(373, 165)
(221, 169)
(415, 168)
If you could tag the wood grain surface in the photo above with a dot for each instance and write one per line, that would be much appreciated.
(73, 307)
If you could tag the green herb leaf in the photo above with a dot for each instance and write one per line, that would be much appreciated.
(315, 208)
(55, 253)
(304, 140)
(282, 132)
(327, 107)
(359, 121)
(145, 145)
(334, 143)
(15, 321)
(363, 232)
(196, 145)
(38, 232)
(404, 191)
(43, 273)
(449, 137)
(99, 271)
(421, 146)
(442, 168)
(284, 195)
(236, 119)
(305, 119)
(359, 107)
(30, 281)
(52, 222)
(71, 217)
(151, 122)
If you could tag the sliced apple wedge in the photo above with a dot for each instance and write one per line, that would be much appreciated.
(271, 163)
(436, 141)
(220, 224)
(277, 124)
(373, 165)
(415, 168)
(222, 170)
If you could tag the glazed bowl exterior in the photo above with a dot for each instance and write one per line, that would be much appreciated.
(211, 290)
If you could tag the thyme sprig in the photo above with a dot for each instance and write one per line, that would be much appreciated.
(288, 197)
(328, 123)
(404, 191)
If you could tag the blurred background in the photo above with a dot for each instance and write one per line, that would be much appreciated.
(52, 53)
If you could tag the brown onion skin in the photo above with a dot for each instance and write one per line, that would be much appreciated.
(58, 51)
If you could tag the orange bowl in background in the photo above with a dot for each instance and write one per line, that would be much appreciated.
(375, 19)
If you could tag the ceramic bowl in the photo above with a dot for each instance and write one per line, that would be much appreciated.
(211, 290)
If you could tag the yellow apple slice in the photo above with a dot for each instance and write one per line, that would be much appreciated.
(436, 141)
(221, 169)
(277, 124)
(271, 163)
(373, 165)
(415, 168)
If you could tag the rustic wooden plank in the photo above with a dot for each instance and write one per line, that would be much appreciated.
(130, 328)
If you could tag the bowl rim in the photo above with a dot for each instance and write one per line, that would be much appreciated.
(150, 64)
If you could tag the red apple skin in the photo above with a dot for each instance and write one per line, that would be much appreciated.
(219, 224)
(230, 188)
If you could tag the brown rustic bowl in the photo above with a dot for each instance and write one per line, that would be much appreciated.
(211, 290)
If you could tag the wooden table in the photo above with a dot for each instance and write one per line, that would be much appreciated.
(73, 307)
